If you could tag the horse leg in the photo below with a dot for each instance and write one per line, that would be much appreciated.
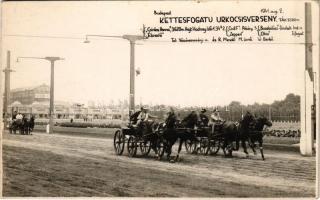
(261, 148)
(224, 147)
(179, 149)
(230, 149)
(252, 146)
(227, 147)
(237, 144)
(169, 150)
(155, 149)
(153, 146)
(244, 146)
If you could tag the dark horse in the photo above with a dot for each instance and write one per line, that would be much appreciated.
(182, 131)
(256, 134)
(228, 133)
(249, 130)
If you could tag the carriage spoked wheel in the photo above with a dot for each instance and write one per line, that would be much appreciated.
(190, 146)
(145, 147)
(160, 147)
(118, 142)
(204, 145)
(213, 148)
(132, 146)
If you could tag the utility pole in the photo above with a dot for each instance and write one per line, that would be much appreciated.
(306, 139)
(51, 109)
(270, 113)
(132, 39)
(6, 100)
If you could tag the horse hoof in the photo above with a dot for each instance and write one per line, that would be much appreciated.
(172, 161)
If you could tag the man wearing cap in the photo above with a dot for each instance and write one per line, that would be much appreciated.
(203, 118)
(143, 118)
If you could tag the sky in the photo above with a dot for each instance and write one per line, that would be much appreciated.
(176, 74)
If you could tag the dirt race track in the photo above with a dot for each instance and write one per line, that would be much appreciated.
(62, 165)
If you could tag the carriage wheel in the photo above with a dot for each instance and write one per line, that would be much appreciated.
(160, 147)
(118, 142)
(132, 146)
(214, 147)
(190, 146)
(145, 147)
(204, 145)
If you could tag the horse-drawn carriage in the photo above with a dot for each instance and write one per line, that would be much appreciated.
(24, 126)
(145, 137)
(205, 141)
(227, 136)
(198, 139)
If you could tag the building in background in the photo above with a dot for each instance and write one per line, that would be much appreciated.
(35, 101)
(29, 95)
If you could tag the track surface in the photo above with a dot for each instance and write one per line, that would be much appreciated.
(61, 165)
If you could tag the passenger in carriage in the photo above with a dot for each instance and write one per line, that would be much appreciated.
(204, 120)
(215, 119)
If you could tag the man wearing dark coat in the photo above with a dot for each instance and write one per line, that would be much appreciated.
(14, 115)
(134, 116)
(171, 119)
(203, 118)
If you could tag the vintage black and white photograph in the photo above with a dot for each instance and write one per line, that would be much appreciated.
(159, 98)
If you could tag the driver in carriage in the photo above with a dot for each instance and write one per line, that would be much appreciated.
(144, 120)
(13, 122)
(204, 120)
(14, 115)
(134, 117)
(215, 119)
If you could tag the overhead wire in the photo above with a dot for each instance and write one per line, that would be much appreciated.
(147, 42)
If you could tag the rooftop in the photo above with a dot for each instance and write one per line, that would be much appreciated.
(28, 88)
